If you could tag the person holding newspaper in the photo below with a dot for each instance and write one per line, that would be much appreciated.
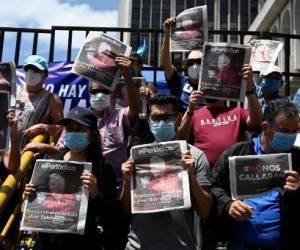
(81, 142)
(173, 229)
(225, 123)
(179, 85)
(270, 221)
(115, 124)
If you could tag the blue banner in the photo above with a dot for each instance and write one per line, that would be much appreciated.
(73, 89)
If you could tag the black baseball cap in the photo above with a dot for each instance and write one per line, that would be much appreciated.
(83, 116)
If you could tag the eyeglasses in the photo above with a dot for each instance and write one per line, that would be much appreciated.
(33, 68)
(162, 117)
(190, 62)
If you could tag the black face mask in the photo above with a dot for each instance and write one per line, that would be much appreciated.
(209, 100)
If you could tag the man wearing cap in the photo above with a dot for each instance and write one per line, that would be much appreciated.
(179, 85)
(270, 82)
(38, 110)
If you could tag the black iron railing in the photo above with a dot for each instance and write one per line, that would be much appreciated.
(155, 33)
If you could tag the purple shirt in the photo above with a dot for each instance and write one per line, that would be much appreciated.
(114, 129)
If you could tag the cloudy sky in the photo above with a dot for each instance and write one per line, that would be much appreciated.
(46, 13)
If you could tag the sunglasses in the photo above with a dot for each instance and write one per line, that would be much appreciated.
(33, 68)
(162, 117)
(190, 62)
(96, 91)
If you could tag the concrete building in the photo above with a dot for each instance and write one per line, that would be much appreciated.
(222, 14)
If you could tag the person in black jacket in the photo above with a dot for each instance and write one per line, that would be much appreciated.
(81, 143)
(270, 221)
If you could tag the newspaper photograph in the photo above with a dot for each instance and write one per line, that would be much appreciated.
(159, 182)
(221, 71)
(254, 175)
(96, 59)
(264, 54)
(190, 30)
(60, 203)
(7, 100)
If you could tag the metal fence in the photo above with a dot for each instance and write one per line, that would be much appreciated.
(121, 33)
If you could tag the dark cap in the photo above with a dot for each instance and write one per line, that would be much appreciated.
(83, 116)
(136, 57)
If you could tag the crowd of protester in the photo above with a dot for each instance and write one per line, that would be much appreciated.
(104, 133)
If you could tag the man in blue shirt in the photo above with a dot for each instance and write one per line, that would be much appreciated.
(270, 221)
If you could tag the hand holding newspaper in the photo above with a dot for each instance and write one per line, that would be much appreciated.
(190, 30)
(96, 59)
(7, 100)
(254, 175)
(159, 182)
(60, 203)
(264, 54)
(221, 71)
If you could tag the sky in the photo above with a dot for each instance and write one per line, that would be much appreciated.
(46, 13)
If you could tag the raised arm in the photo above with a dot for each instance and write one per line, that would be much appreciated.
(165, 57)
(127, 169)
(255, 114)
(184, 129)
(132, 91)
(12, 156)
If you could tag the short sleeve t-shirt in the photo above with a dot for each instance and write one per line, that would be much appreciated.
(215, 130)
(179, 86)
(172, 229)
(114, 129)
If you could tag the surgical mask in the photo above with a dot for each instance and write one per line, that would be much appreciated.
(76, 141)
(194, 71)
(32, 78)
(163, 131)
(100, 101)
(270, 86)
(283, 142)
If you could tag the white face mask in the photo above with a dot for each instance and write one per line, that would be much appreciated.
(100, 101)
(194, 71)
(32, 78)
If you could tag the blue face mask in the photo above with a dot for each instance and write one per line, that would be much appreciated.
(283, 142)
(76, 141)
(163, 131)
(270, 86)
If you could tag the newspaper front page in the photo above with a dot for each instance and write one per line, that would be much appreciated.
(221, 71)
(264, 54)
(254, 175)
(159, 182)
(190, 30)
(60, 203)
(96, 59)
(7, 100)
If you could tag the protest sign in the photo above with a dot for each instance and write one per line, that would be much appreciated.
(221, 71)
(159, 182)
(254, 175)
(264, 54)
(190, 30)
(96, 59)
(7, 100)
(60, 203)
